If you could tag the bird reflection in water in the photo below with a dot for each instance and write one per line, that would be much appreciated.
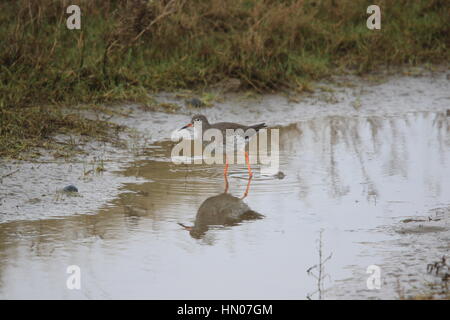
(221, 210)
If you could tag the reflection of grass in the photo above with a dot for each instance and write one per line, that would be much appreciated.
(430, 296)
(137, 142)
(434, 290)
(126, 48)
(94, 167)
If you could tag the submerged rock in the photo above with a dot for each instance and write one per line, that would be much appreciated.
(70, 188)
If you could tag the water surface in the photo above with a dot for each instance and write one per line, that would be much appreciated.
(357, 178)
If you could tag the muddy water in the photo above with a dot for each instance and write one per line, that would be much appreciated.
(357, 178)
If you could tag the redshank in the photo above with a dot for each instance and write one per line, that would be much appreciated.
(241, 133)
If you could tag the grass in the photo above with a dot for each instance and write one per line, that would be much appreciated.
(27, 127)
(128, 48)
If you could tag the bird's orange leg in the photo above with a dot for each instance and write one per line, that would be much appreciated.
(250, 173)
(248, 187)
(225, 173)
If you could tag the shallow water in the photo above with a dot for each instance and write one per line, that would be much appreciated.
(357, 178)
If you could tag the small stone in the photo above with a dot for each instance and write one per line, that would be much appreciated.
(70, 188)
(195, 102)
(280, 175)
(448, 112)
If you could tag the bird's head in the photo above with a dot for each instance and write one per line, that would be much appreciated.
(198, 118)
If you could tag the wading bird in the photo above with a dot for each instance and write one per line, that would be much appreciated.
(241, 135)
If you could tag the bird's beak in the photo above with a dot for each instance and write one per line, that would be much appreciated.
(186, 126)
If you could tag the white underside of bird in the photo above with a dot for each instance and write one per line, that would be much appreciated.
(234, 141)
